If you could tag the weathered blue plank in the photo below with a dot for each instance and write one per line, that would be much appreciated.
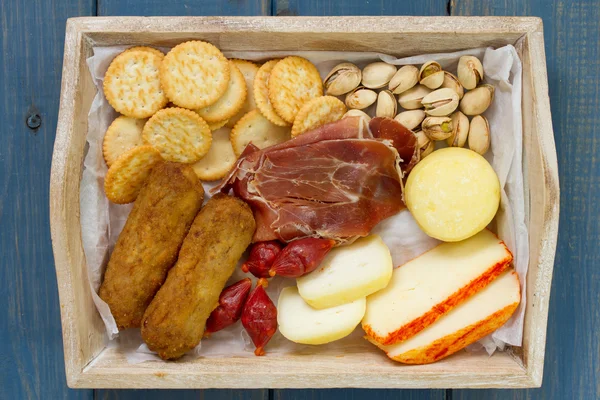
(184, 7)
(378, 394)
(179, 8)
(572, 37)
(181, 394)
(360, 7)
(31, 350)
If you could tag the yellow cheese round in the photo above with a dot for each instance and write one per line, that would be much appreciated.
(453, 194)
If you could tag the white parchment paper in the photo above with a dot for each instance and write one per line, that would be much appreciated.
(102, 221)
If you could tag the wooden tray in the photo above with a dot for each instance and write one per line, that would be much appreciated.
(88, 360)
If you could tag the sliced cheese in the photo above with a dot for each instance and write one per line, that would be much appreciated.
(301, 323)
(424, 289)
(348, 273)
(453, 194)
(477, 317)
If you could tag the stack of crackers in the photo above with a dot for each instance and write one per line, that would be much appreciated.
(195, 106)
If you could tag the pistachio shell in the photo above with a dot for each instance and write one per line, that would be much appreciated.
(451, 82)
(437, 128)
(343, 78)
(411, 119)
(479, 134)
(431, 75)
(469, 71)
(386, 104)
(360, 98)
(411, 99)
(424, 144)
(460, 125)
(476, 101)
(356, 113)
(405, 78)
(428, 150)
(422, 139)
(376, 75)
(440, 102)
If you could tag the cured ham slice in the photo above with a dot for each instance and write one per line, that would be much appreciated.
(402, 138)
(337, 182)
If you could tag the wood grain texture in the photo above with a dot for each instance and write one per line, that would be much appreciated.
(180, 8)
(31, 364)
(183, 7)
(311, 368)
(359, 394)
(20, 173)
(208, 394)
(572, 38)
(360, 7)
(83, 333)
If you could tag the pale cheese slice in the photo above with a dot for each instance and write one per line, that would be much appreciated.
(424, 289)
(477, 317)
(301, 323)
(348, 273)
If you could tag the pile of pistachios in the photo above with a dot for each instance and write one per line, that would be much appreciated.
(436, 103)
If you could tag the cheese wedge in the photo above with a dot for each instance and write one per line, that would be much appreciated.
(348, 273)
(424, 289)
(477, 317)
(301, 323)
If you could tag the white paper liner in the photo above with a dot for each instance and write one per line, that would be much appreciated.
(102, 221)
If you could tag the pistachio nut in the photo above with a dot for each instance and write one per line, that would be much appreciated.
(376, 75)
(469, 71)
(405, 78)
(424, 144)
(411, 98)
(356, 113)
(360, 98)
(411, 119)
(451, 82)
(343, 78)
(440, 102)
(476, 101)
(386, 104)
(431, 75)
(479, 134)
(460, 125)
(427, 150)
(437, 128)
(422, 139)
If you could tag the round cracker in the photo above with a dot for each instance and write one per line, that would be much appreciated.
(220, 158)
(122, 135)
(194, 74)
(319, 111)
(231, 102)
(128, 173)
(293, 82)
(249, 70)
(179, 134)
(146, 48)
(132, 84)
(255, 128)
(217, 125)
(261, 93)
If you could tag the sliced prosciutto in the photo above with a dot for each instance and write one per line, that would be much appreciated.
(335, 182)
(402, 138)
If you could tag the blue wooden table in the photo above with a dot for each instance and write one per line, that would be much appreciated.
(31, 360)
